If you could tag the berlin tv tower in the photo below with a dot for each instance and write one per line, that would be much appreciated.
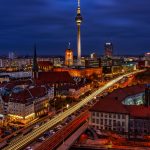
(78, 20)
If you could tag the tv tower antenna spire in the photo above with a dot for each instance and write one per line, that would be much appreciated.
(78, 22)
(78, 3)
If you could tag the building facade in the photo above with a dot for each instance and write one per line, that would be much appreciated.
(68, 57)
(81, 73)
(110, 114)
(110, 121)
(108, 52)
(26, 104)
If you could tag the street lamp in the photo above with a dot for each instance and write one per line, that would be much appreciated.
(67, 106)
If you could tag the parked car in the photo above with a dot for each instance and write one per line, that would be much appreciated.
(28, 148)
(46, 134)
(41, 139)
(36, 126)
(52, 132)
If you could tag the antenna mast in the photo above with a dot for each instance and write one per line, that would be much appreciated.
(78, 3)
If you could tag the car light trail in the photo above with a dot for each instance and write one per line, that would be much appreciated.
(25, 140)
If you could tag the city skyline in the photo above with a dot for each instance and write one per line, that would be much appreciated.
(51, 25)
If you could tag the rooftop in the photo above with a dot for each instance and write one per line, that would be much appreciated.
(109, 105)
(122, 93)
(113, 103)
(44, 63)
(26, 95)
(11, 84)
(139, 111)
(54, 77)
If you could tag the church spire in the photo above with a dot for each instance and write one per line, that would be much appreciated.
(35, 67)
(78, 9)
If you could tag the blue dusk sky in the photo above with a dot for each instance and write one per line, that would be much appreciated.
(51, 25)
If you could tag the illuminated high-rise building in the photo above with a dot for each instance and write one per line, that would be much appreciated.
(108, 49)
(69, 56)
(78, 22)
(147, 59)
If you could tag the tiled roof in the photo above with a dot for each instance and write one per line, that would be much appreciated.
(139, 111)
(113, 103)
(26, 95)
(12, 84)
(54, 77)
(5, 99)
(21, 97)
(38, 91)
(44, 63)
(122, 93)
(2, 84)
(109, 105)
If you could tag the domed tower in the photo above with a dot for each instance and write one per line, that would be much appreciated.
(69, 56)
(78, 20)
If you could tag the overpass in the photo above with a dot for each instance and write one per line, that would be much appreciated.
(63, 135)
(27, 139)
(70, 141)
